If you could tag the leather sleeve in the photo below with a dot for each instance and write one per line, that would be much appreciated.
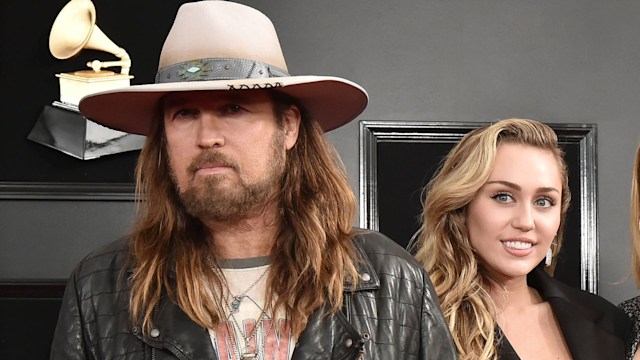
(436, 341)
(68, 339)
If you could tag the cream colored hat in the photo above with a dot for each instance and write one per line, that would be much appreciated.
(221, 45)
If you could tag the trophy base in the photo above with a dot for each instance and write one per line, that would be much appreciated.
(60, 126)
(74, 86)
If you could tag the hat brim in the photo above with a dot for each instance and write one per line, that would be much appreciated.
(331, 101)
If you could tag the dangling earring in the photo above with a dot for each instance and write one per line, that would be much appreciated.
(547, 259)
(549, 256)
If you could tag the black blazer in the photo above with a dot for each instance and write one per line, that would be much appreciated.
(593, 328)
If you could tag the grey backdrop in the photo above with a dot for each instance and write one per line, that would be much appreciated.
(570, 61)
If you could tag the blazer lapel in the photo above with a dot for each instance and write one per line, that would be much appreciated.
(506, 350)
(579, 321)
(585, 339)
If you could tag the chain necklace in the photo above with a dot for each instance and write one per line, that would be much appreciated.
(248, 352)
(237, 299)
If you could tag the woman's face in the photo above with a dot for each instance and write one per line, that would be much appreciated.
(515, 216)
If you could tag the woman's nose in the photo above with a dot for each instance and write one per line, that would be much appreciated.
(523, 219)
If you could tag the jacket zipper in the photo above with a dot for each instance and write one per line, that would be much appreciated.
(347, 306)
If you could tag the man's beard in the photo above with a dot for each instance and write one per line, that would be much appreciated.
(206, 199)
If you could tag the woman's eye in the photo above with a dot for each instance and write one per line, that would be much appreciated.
(502, 197)
(544, 202)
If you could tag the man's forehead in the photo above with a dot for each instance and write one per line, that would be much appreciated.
(244, 96)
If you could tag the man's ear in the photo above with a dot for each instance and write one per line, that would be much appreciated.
(291, 124)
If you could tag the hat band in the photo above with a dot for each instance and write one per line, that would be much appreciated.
(217, 69)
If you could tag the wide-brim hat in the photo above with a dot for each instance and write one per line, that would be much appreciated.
(221, 45)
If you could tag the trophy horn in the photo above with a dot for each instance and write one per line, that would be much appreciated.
(74, 29)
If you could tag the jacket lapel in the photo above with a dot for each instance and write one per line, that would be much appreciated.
(177, 333)
(579, 320)
(506, 350)
(327, 335)
(579, 326)
(335, 334)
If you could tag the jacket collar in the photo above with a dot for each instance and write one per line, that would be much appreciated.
(369, 279)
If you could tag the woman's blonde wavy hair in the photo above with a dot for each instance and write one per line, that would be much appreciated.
(311, 259)
(443, 244)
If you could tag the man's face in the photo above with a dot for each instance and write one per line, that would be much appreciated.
(226, 150)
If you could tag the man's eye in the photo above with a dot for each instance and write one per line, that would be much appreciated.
(185, 113)
(234, 108)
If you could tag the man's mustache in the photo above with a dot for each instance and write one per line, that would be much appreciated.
(207, 157)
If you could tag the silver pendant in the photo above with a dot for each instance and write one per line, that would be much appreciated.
(235, 303)
(249, 356)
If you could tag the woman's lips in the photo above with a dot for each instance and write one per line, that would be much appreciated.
(518, 248)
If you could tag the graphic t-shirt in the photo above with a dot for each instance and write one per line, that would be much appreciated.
(247, 280)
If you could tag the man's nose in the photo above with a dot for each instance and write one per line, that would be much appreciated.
(210, 132)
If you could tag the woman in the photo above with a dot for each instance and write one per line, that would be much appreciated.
(632, 306)
(492, 226)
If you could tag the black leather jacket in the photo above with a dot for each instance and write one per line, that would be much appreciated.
(392, 314)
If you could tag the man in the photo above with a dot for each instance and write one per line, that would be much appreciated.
(243, 247)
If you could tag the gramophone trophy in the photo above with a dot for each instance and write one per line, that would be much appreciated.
(61, 126)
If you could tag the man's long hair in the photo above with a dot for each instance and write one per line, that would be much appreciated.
(443, 243)
(311, 259)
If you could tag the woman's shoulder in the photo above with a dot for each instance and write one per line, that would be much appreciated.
(631, 307)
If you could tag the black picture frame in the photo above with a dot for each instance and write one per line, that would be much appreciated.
(397, 158)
